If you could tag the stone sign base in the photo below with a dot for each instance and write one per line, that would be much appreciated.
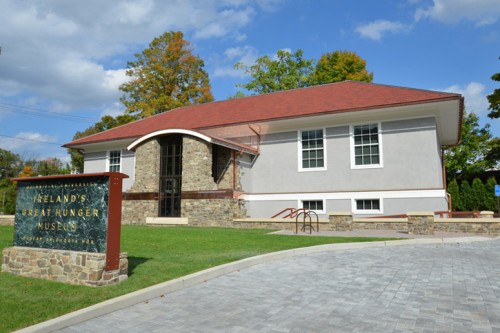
(82, 268)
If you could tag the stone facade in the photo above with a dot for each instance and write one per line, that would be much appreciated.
(147, 179)
(81, 268)
(197, 165)
(199, 177)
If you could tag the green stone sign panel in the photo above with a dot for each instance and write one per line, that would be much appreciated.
(63, 213)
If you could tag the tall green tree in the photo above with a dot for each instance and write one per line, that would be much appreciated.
(166, 75)
(291, 70)
(466, 197)
(340, 66)
(51, 166)
(494, 99)
(490, 201)
(10, 164)
(106, 123)
(287, 71)
(478, 195)
(468, 157)
(454, 191)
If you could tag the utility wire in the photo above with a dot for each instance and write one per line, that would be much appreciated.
(31, 111)
(33, 140)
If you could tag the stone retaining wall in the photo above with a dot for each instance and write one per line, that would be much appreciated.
(421, 223)
(81, 268)
(478, 226)
(7, 219)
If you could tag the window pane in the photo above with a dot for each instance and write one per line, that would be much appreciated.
(114, 161)
(359, 205)
(366, 149)
(368, 204)
(313, 205)
(312, 149)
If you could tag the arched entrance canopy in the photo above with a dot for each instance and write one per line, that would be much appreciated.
(197, 134)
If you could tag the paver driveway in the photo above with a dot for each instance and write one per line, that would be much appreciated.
(410, 288)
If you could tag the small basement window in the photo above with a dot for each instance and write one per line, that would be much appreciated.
(368, 206)
(315, 205)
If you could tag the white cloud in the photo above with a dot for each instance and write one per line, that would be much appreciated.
(245, 55)
(377, 29)
(113, 110)
(482, 12)
(474, 95)
(28, 141)
(60, 51)
(228, 21)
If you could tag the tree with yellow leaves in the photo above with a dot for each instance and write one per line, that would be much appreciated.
(166, 75)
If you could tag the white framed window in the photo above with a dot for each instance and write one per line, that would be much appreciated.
(317, 206)
(312, 150)
(114, 160)
(366, 146)
(367, 206)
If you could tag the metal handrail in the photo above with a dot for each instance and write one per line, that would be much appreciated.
(293, 213)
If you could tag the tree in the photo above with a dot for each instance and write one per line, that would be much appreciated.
(468, 158)
(454, 192)
(7, 196)
(340, 66)
(494, 99)
(166, 75)
(478, 195)
(27, 171)
(106, 123)
(51, 166)
(10, 164)
(465, 196)
(490, 201)
(287, 71)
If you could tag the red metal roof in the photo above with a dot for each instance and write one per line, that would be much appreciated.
(347, 96)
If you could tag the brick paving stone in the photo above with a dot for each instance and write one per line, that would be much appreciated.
(409, 288)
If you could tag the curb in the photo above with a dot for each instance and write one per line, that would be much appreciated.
(160, 289)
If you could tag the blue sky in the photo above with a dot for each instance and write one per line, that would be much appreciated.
(61, 61)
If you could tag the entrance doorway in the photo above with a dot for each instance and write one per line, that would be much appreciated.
(170, 176)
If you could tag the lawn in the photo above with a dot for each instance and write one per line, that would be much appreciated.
(155, 255)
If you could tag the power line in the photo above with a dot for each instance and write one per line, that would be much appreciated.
(33, 140)
(31, 111)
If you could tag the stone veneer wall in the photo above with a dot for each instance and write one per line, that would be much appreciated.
(82, 268)
(197, 176)
(147, 179)
(197, 165)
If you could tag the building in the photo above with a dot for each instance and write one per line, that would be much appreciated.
(367, 148)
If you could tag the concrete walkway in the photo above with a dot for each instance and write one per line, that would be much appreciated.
(444, 287)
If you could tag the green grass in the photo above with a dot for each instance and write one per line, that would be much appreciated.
(155, 255)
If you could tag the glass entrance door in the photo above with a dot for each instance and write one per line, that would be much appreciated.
(170, 176)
